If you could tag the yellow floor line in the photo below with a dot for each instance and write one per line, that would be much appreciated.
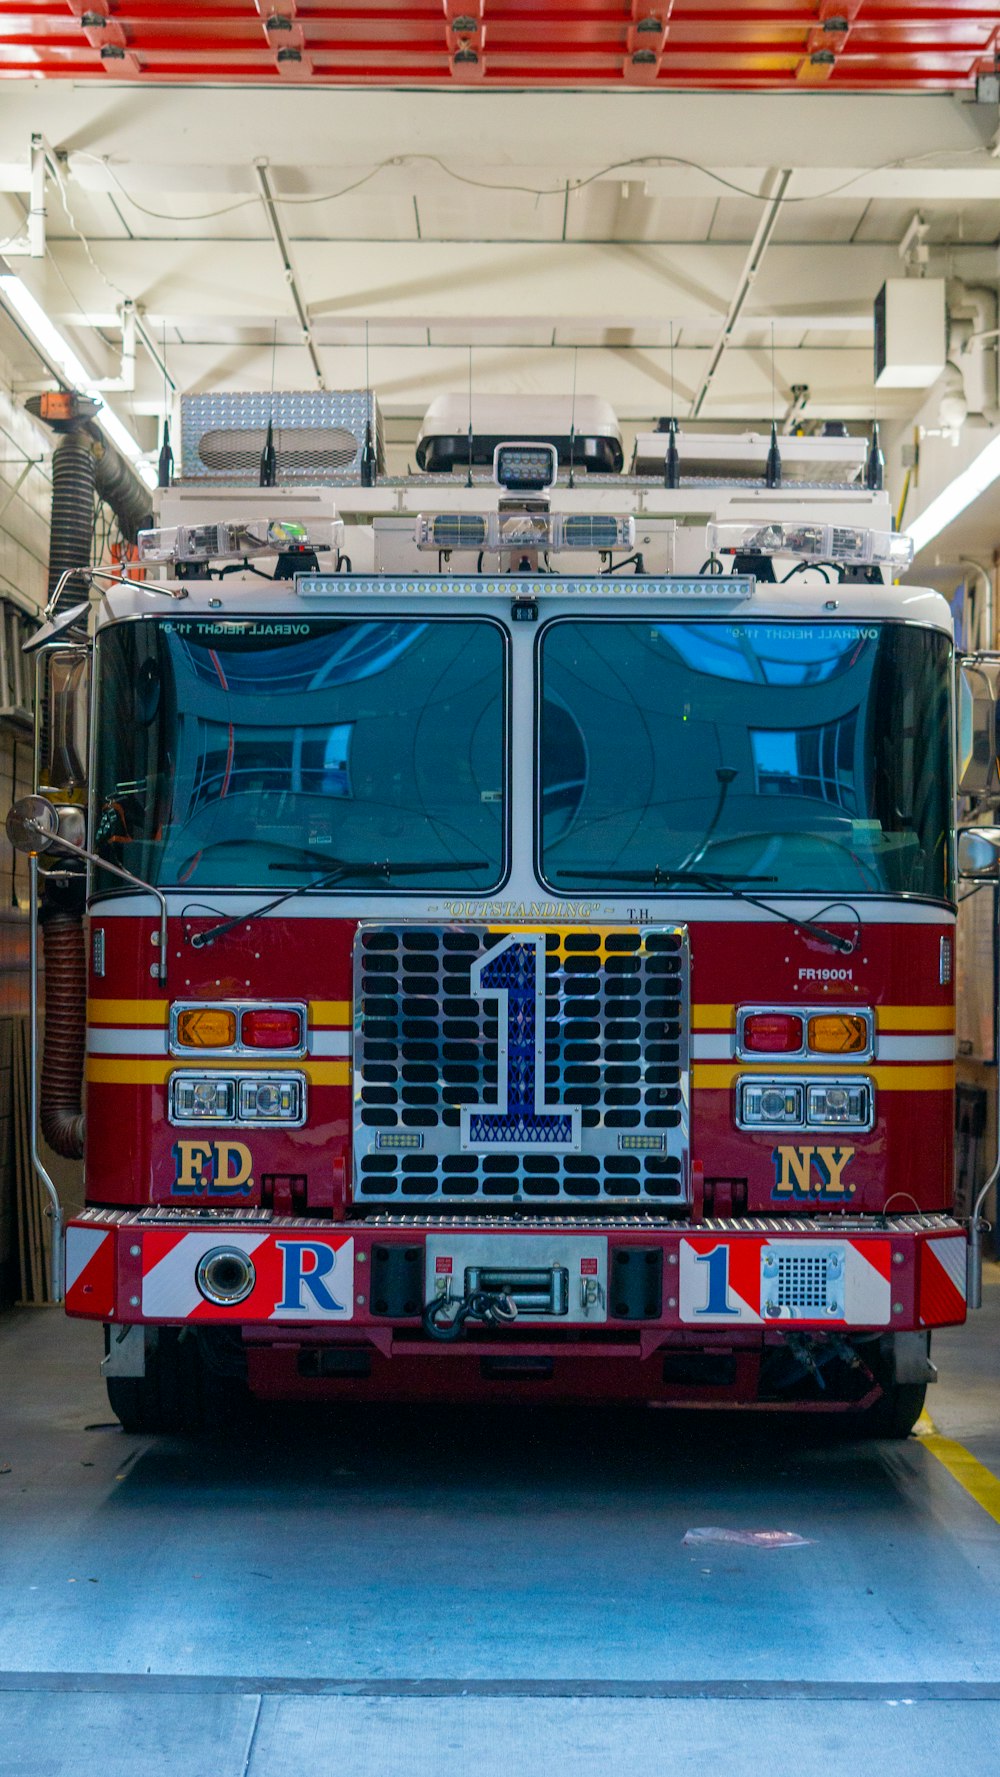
(979, 1483)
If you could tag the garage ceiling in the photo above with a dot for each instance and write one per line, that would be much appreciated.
(841, 44)
(625, 241)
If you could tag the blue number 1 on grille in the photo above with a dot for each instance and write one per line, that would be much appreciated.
(514, 975)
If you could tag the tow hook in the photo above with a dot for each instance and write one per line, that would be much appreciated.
(444, 1318)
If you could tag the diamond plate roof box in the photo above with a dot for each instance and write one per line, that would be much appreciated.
(319, 436)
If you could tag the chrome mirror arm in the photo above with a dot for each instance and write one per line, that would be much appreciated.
(115, 578)
(57, 1269)
(81, 851)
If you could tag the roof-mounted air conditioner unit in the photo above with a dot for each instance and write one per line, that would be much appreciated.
(584, 431)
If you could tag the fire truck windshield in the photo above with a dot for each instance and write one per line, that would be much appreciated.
(231, 750)
(814, 757)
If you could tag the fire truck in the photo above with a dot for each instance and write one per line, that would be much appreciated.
(504, 917)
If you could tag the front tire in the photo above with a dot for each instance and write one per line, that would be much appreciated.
(895, 1414)
(182, 1394)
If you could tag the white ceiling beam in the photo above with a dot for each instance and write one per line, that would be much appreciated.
(801, 130)
(971, 181)
(614, 285)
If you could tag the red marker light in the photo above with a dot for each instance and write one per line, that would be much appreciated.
(271, 1027)
(773, 1033)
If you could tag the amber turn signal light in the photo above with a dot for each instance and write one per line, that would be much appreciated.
(838, 1033)
(206, 1027)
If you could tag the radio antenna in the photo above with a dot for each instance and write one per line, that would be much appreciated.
(369, 455)
(672, 461)
(468, 478)
(875, 461)
(572, 425)
(268, 460)
(165, 466)
(772, 468)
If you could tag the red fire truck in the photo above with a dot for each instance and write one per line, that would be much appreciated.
(512, 919)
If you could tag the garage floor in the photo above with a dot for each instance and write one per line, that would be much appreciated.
(509, 1592)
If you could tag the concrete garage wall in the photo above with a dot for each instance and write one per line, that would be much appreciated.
(25, 492)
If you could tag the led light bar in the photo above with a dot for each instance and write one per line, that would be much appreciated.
(502, 531)
(234, 542)
(724, 588)
(953, 499)
(845, 545)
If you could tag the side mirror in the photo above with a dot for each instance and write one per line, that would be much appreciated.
(35, 825)
(979, 854)
(64, 712)
(978, 739)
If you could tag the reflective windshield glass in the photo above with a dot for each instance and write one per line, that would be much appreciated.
(791, 756)
(261, 752)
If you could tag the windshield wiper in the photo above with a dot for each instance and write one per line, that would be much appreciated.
(658, 875)
(340, 869)
(660, 878)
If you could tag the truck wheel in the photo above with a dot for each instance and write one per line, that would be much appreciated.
(180, 1395)
(168, 1398)
(895, 1415)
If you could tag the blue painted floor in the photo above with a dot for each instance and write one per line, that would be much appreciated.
(377, 1591)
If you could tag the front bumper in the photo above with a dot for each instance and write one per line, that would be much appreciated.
(626, 1285)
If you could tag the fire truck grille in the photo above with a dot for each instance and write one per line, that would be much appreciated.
(508, 1065)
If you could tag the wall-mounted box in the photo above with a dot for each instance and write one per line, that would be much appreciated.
(911, 337)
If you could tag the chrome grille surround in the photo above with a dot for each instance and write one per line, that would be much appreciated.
(616, 1065)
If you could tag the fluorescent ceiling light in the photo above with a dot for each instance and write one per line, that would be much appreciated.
(953, 499)
(61, 354)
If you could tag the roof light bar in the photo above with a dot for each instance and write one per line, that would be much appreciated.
(502, 531)
(235, 542)
(844, 545)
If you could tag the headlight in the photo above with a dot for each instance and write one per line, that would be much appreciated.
(845, 1104)
(197, 1098)
(805, 1104)
(276, 1098)
(245, 1100)
(769, 1104)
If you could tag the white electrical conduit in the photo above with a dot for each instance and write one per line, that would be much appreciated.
(758, 247)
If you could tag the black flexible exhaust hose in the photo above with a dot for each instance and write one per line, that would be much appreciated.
(121, 488)
(74, 480)
(60, 1098)
(85, 464)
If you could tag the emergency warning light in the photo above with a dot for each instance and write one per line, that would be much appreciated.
(550, 531)
(236, 542)
(841, 545)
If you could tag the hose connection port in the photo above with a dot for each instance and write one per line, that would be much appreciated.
(225, 1275)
